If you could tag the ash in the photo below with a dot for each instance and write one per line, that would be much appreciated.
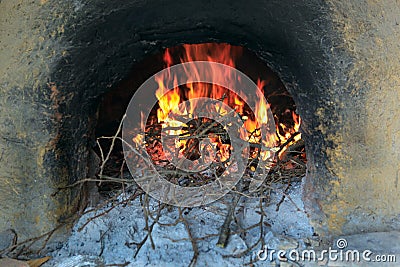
(112, 239)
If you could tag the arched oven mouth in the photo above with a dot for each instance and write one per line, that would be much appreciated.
(117, 180)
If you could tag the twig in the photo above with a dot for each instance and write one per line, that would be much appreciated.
(104, 160)
(225, 228)
(283, 196)
(291, 138)
(118, 264)
(148, 227)
(33, 240)
(107, 211)
(192, 240)
(260, 239)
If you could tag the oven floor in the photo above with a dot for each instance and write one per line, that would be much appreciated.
(109, 239)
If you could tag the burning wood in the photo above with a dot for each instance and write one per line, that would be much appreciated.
(192, 136)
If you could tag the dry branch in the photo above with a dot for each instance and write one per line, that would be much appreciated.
(225, 228)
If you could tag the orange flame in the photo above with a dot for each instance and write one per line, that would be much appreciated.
(226, 54)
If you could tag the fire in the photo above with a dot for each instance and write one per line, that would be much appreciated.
(169, 109)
